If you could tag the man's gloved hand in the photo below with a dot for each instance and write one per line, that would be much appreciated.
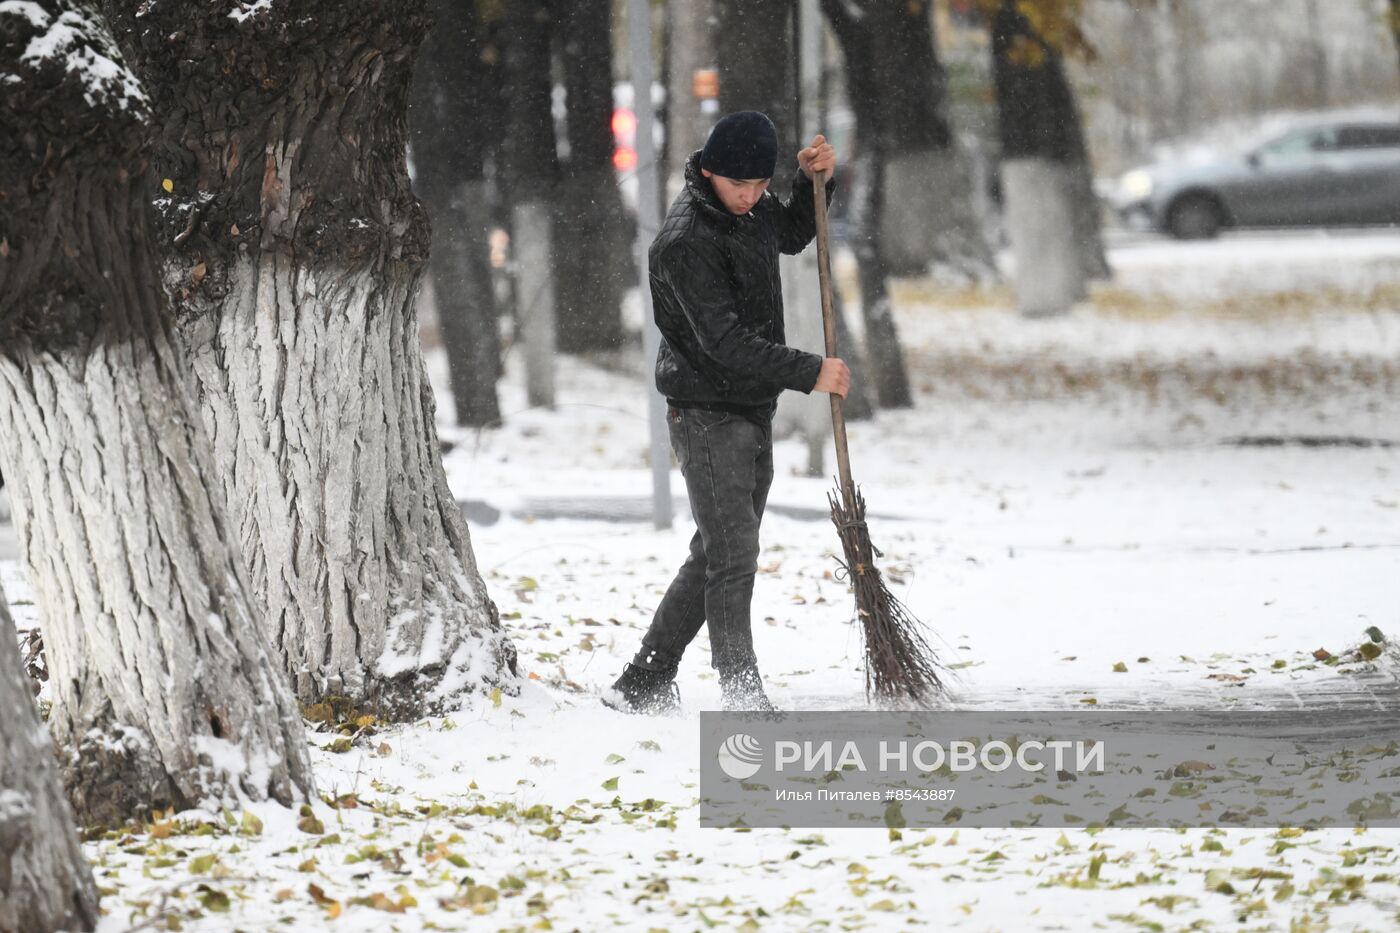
(835, 377)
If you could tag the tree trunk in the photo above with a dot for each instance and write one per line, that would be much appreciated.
(689, 43)
(456, 122)
(1039, 213)
(45, 883)
(753, 45)
(163, 692)
(1394, 17)
(1316, 56)
(883, 352)
(895, 86)
(531, 176)
(1087, 222)
(1187, 39)
(1051, 211)
(898, 89)
(592, 252)
(857, 405)
(295, 250)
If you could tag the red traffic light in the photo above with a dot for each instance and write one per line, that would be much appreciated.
(624, 158)
(624, 124)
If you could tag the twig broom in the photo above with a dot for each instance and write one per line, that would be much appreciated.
(899, 664)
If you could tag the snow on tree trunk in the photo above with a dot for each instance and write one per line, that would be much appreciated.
(45, 883)
(456, 121)
(295, 250)
(163, 691)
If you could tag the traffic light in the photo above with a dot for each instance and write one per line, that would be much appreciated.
(624, 129)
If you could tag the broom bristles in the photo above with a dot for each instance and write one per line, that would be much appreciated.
(899, 664)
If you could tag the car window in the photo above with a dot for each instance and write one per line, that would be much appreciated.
(1301, 143)
(1369, 137)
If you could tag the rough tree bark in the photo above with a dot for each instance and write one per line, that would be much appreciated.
(163, 692)
(295, 250)
(592, 252)
(457, 121)
(45, 883)
(1052, 213)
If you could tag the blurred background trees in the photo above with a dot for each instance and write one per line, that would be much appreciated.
(457, 120)
(965, 127)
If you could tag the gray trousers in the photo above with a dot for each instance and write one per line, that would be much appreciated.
(727, 462)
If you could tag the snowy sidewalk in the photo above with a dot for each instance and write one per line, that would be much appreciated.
(1064, 546)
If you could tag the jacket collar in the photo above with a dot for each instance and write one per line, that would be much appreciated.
(703, 193)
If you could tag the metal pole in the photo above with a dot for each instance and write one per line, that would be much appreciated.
(648, 221)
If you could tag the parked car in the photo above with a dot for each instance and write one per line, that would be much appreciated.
(1324, 174)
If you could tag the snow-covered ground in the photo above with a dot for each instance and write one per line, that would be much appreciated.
(1124, 485)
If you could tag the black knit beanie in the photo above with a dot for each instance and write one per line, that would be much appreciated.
(742, 145)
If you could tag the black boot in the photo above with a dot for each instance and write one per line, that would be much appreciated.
(643, 690)
(742, 689)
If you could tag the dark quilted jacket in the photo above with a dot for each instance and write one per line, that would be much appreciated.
(718, 298)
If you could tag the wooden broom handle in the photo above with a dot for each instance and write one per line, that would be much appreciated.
(838, 418)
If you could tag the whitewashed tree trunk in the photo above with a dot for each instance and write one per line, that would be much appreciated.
(1052, 214)
(163, 691)
(295, 250)
(534, 313)
(45, 883)
(808, 416)
(326, 433)
(1039, 220)
(929, 212)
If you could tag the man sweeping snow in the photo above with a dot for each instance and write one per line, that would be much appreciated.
(718, 303)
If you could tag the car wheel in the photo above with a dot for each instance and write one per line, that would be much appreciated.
(1195, 217)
